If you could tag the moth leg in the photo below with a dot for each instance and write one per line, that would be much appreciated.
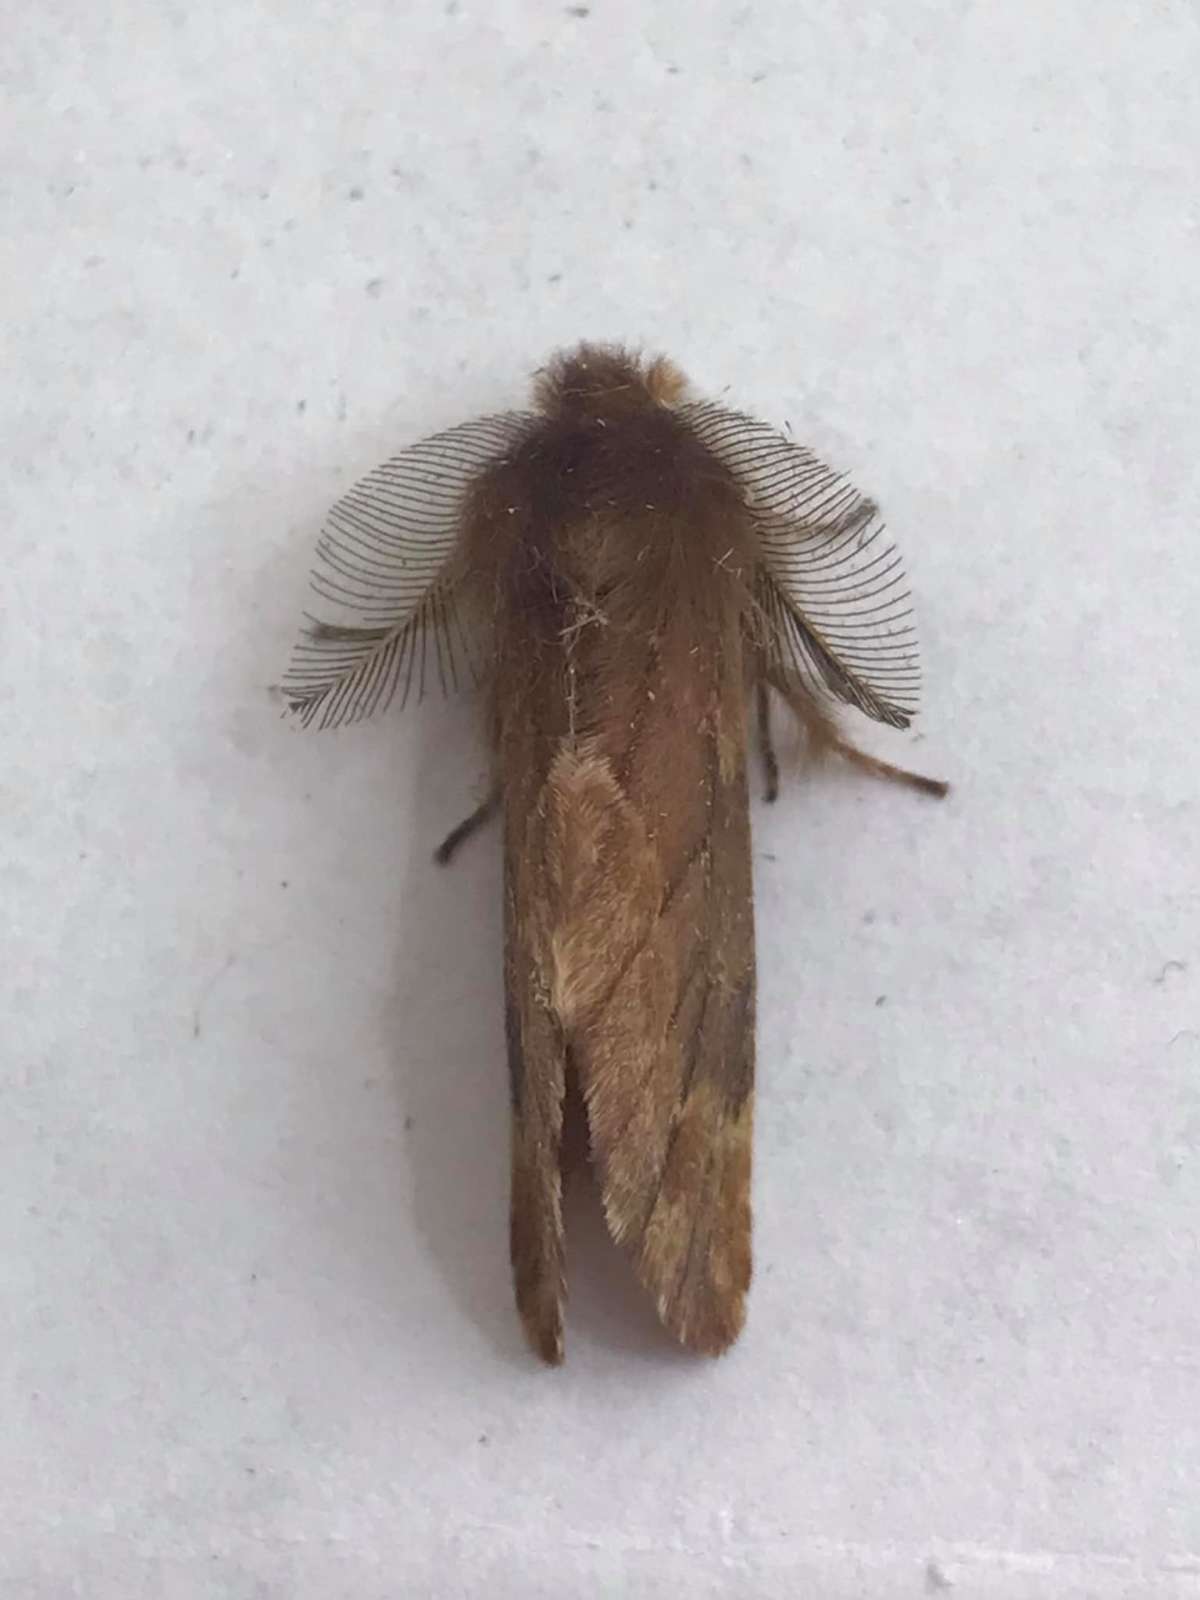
(482, 813)
(825, 738)
(766, 745)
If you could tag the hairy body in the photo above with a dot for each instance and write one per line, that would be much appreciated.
(633, 568)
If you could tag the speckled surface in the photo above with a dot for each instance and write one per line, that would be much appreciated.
(254, 1306)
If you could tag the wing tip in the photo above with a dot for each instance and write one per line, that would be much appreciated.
(709, 1329)
(544, 1330)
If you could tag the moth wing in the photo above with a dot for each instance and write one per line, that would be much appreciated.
(833, 603)
(691, 1231)
(536, 1050)
(653, 971)
(385, 580)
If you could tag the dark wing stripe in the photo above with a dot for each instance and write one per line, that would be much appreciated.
(677, 884)
(698, 973)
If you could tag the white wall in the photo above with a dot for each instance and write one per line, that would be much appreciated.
(256, 1323)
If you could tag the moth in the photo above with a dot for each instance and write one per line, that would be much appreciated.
(631, 575)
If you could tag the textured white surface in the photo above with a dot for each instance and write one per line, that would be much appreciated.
(256, 1323)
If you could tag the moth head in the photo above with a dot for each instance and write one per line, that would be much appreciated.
(603, 380)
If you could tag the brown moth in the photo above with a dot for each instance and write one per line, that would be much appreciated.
(626, 571)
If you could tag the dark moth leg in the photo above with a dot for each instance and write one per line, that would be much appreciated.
(483, 813)
(825, 738)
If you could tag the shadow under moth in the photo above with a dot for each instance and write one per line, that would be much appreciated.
(631, 575)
